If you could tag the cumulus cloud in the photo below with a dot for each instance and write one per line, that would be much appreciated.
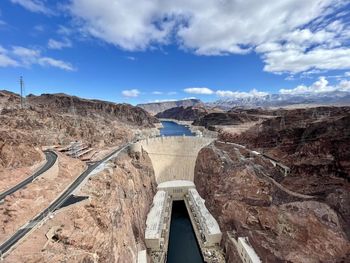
(26, 57)
(226, 93)
(5, 59)
(291, 35)
(131, 58)
(35, 6)
(241, 94)
(59, 44)
(199, 90)
(318, 87)
(131, 93)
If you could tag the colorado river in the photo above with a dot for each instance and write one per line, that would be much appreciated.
(173, 129)
(183, 246)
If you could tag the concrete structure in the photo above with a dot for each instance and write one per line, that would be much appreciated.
(174, 160)
(173, 157)
(208, 227)
(177, 189)
(142, 257)
(156, 221)
(245, 250)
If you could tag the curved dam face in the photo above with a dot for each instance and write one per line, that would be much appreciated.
(173, 157)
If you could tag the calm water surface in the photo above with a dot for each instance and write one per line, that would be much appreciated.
(183, 246)
(173, 129)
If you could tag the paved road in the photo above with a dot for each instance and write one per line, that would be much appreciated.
(51, 158)
(9, 243)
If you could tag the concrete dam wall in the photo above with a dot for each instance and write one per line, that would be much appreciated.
(173, 157)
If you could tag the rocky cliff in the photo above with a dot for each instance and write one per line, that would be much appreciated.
(60, 119)
(109, 227)
(63, 103)
(157, 107)
(303, 217)
(244, 195)
(183, 113)
(232, 117)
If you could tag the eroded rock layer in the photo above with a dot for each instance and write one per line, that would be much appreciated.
(107, 228)
(282, 225)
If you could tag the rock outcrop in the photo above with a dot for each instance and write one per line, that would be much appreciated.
(244, 196)
(156, 107)
(61, 119)
(231, 117)
(109, 227)
(63, 103)
(184, 113)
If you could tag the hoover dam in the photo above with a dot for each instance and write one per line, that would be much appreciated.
(173, 159)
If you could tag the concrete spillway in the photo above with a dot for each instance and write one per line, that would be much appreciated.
(173, 157)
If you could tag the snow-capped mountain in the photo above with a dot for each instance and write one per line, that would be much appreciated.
(276, 100)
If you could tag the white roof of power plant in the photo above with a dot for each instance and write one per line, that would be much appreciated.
(208, 220)
(154, 222)
(176, 183)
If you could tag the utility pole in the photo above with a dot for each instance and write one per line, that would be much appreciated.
(22, 87)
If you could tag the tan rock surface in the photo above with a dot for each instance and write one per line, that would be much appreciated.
(23, 205)
(107, 228)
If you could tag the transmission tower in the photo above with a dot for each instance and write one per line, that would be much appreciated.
(283, 122)
(75, 145)
(21, 83)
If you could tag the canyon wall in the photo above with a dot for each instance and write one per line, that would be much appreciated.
(108, 227)
(282, 226)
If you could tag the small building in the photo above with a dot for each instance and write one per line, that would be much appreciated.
(244, 248)
(177, 189)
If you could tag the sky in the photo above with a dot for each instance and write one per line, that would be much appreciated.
(157, 50)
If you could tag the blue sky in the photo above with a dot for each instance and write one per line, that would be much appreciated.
(163, 50)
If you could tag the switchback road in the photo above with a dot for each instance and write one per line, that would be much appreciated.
(24, 230)
(51, 158)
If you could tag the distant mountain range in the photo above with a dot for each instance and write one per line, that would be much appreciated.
(280, 100)
(156, 107)
(270, 100)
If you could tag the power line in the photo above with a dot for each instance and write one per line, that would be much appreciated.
(21, 82)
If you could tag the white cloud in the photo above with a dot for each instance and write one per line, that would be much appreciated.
(344, 85)
(157, 92)
(26, 57)
(131, 93)
(347, 74)
(131, 58)
(46, 61)
(199, 90)
(241, 94)
(5, 60)
(295, 61)
(172, 93)
(318, 87)
(35, 6)
(226, 93)
(291, 35)
(57, 44)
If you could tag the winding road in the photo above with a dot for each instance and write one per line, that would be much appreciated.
(24, 230)
(51, 158)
